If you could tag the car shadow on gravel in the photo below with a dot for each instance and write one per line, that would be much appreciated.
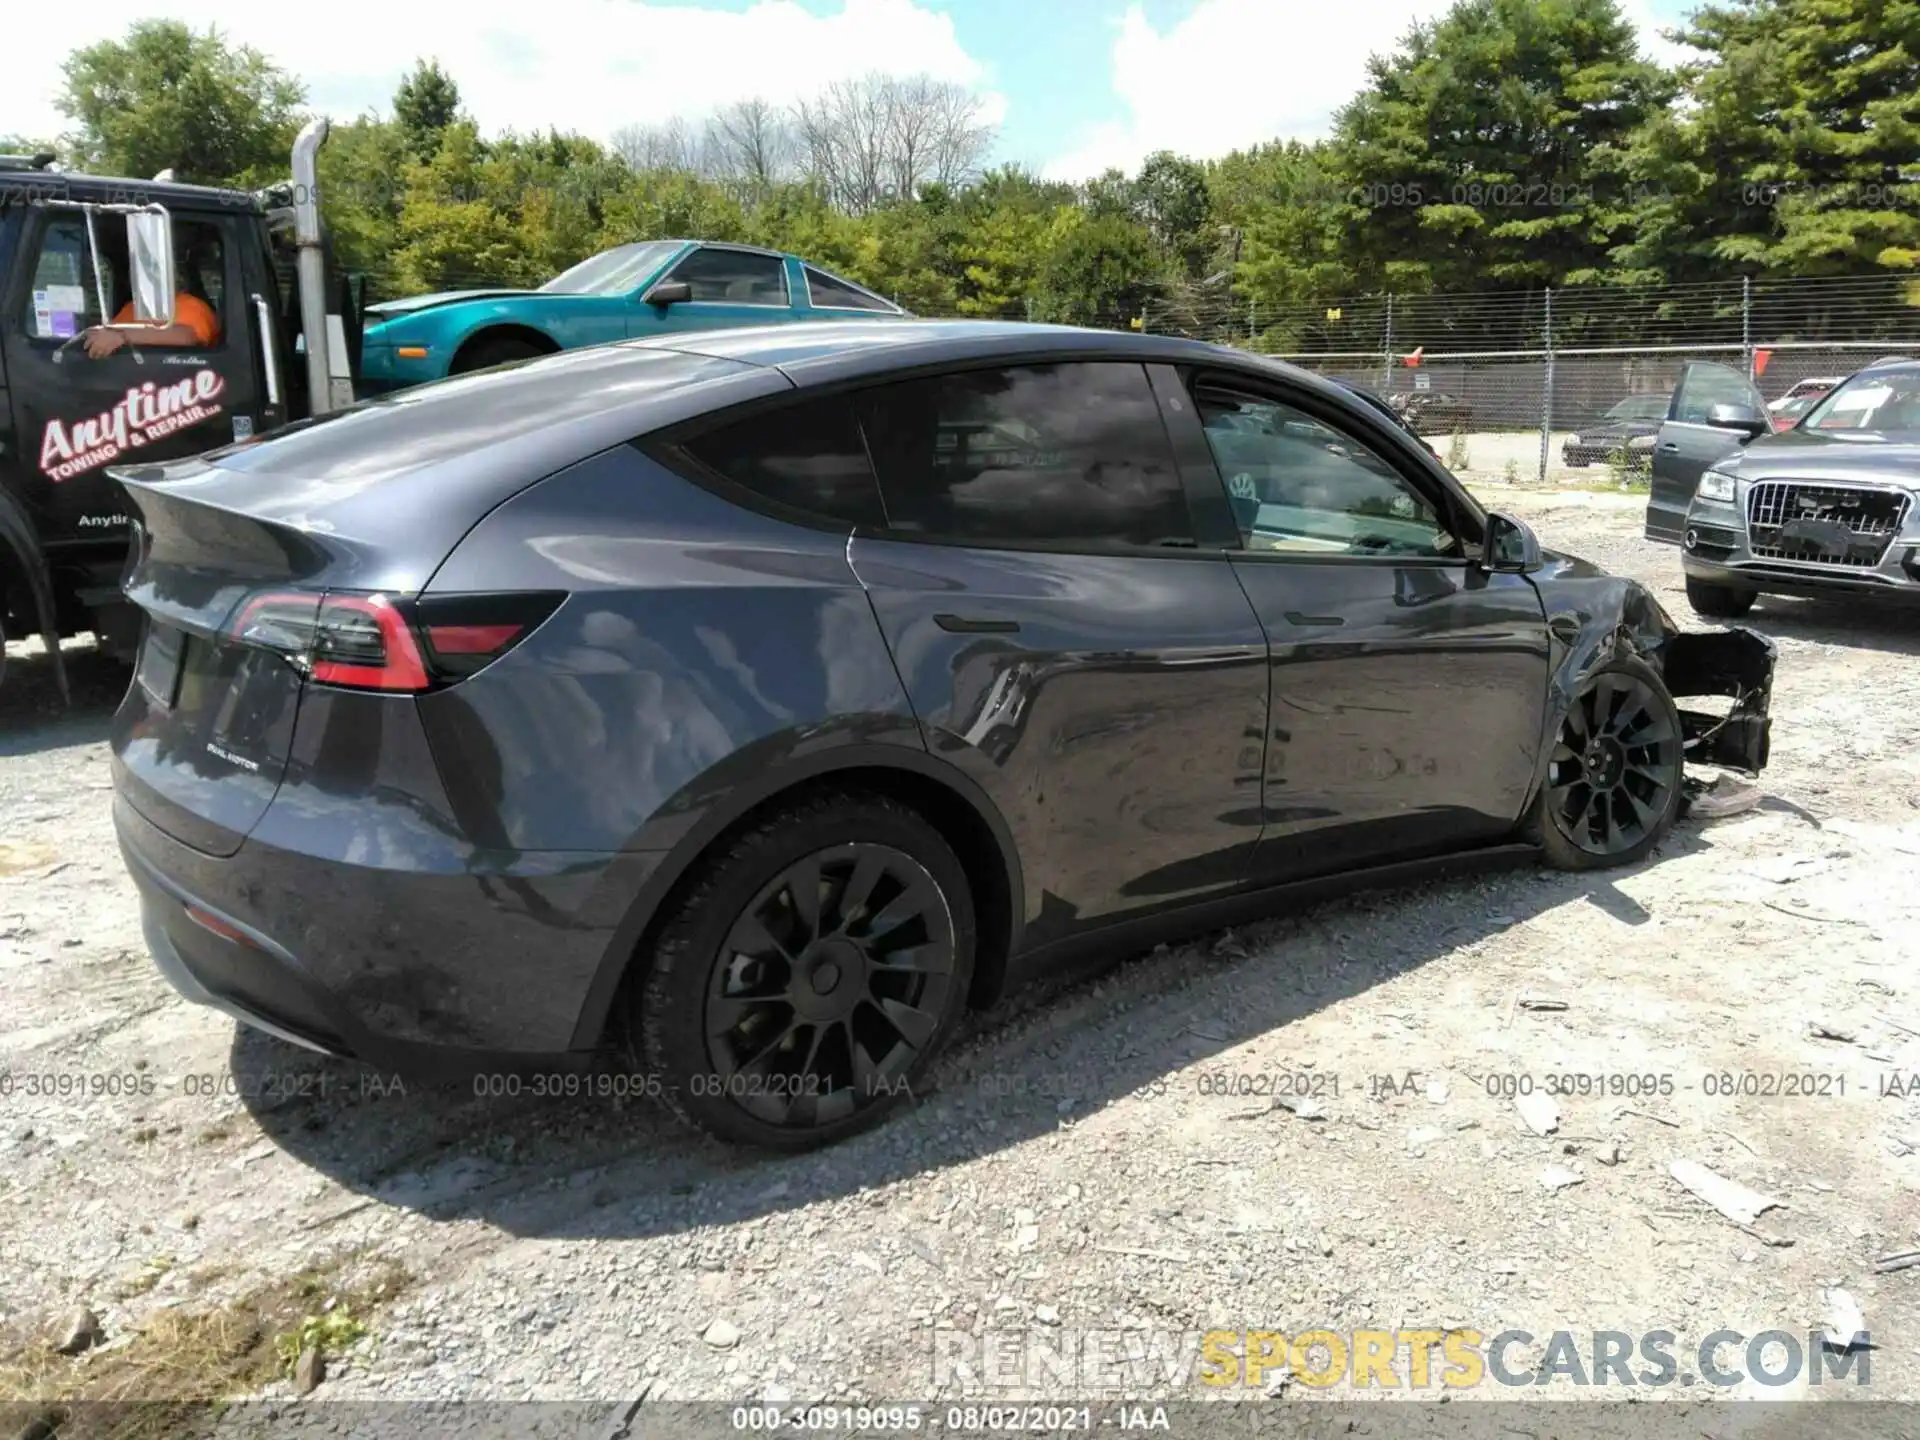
(33, 718)
(1854, 624)
(579, 1164)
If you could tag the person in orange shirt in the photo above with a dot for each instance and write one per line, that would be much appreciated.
(194, 327)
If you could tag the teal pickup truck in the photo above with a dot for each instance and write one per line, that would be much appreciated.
(649, 288)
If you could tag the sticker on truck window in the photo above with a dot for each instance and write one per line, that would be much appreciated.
(147, 412)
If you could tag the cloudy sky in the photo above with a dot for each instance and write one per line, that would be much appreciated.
(1076, 85)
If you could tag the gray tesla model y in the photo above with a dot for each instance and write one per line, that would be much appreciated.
(747, 704)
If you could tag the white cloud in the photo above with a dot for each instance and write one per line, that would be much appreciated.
(585, 65)
(1233, 73)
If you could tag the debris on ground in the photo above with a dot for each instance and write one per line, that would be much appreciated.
(1904, 1260)
(1719, 796)
(79, 1330)
(1729, 1197)
(309, 1370)
(1539, 1111)
(1541, 1002)
(722, 1334)
(1558, 1177)
(1846, 1325)
(1827, 1030)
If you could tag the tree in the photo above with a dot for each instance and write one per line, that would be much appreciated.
(425, 104)
(1098, 270)
(167, 98)
(673, 144)
(752, 144)
(1468, 159)
(1170, 197)
(879, 139)
(1798, 154)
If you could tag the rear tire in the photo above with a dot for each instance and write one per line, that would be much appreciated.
(810, 974)
(1613, 783)
(489, 353)
(1719, 602)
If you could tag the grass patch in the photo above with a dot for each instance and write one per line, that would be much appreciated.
(175, 1373)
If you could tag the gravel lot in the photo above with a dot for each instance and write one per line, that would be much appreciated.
(1074, 1171)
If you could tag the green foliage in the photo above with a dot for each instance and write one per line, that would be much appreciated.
(426, 103)
(167, 98)
(1507, 144)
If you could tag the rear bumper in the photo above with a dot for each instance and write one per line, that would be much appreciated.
(428, 975)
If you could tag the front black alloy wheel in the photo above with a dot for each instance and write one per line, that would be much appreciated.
(807, 982)
(1614, 777)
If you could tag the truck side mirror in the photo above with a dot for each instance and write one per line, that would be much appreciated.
(150, 261)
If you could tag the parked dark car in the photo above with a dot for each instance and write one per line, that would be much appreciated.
(1623, 435)
(764, 698)
(1429, 412)
(1826, 508)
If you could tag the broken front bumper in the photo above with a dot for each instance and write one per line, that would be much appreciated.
(1738, 663)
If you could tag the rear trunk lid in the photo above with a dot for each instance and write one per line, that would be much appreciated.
(201, 741)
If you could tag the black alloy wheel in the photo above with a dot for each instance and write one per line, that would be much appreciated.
(1614, 777)
(806, 982)
(829, 984)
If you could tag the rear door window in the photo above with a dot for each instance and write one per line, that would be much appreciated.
(807, 458)
(1071, 455)
(825, 292)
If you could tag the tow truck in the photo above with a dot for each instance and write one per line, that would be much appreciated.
(80, 252)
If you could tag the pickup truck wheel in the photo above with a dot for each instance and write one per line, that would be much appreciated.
(1613, 782)
(489, 353)
(1719, 602)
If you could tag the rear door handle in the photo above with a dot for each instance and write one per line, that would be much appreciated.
(1673, 445)
(1294, 617)
(973, 625)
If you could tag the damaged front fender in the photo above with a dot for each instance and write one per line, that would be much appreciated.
(1595, 618)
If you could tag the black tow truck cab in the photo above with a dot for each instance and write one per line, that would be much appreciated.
(78, 251)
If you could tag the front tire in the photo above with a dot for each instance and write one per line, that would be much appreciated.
(1613, 783)
(1719, 602)
(810, 975)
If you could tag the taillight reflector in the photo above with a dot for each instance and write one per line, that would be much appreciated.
(378, 642)
(471, 639)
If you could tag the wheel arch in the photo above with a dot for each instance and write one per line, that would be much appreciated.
(1592, 620)
(501, 330)
(941, 793)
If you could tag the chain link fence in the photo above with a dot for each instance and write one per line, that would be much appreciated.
(1545, 386)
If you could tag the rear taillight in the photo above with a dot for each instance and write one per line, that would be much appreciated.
(360, 641)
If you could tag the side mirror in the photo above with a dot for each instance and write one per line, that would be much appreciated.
(150, 261)
(669, 292)
(1511, 546)
(1742, 418)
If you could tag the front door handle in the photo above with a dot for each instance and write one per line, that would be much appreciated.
(1671, 445)
(1294, 617)
(973, 625)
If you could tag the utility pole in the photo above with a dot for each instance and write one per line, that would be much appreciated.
(1546, 393)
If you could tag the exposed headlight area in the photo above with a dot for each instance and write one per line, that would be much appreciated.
(1716, 485)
